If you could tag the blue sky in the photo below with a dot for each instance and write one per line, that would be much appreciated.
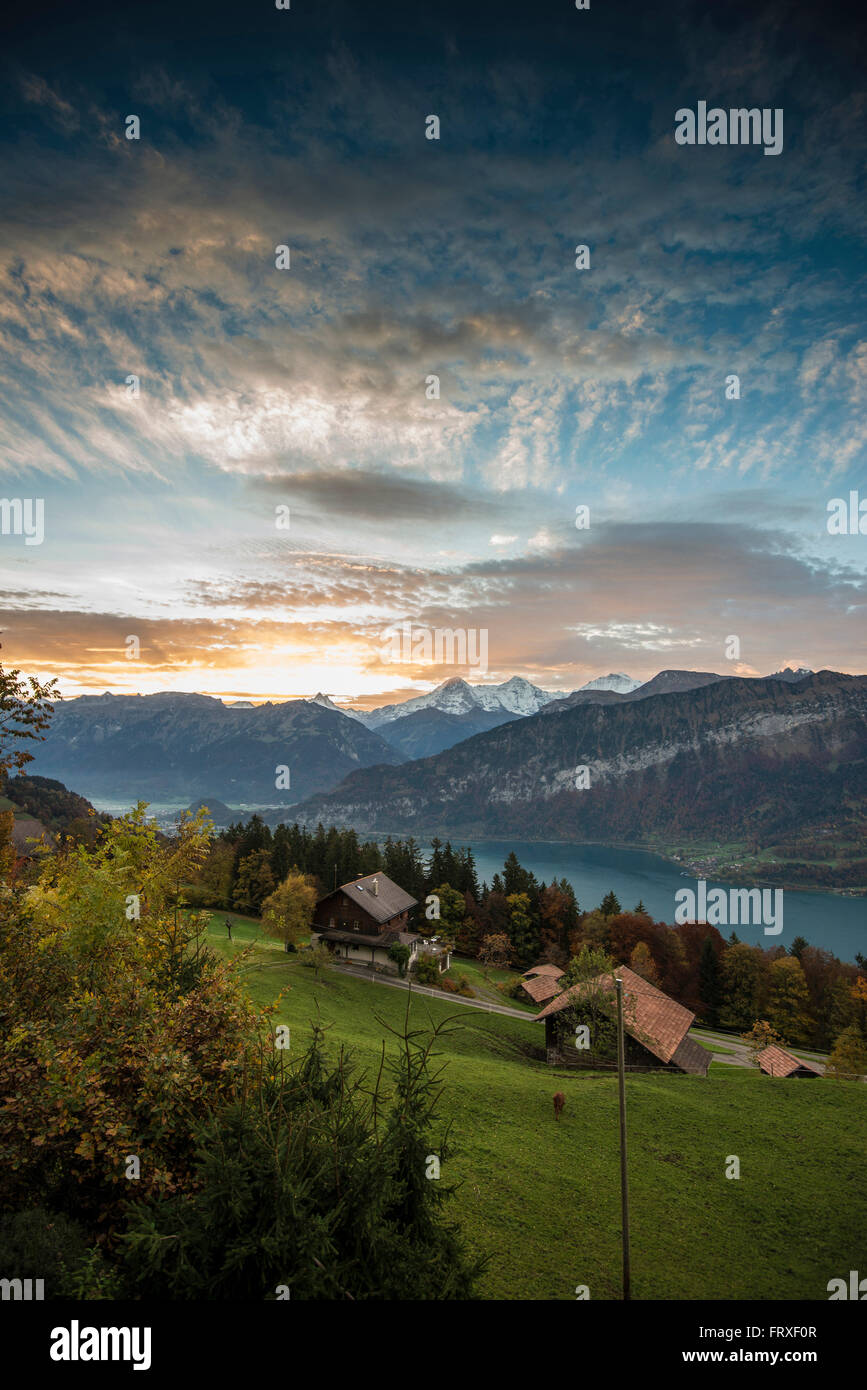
(410, 257)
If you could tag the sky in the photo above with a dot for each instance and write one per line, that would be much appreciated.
(401, 425)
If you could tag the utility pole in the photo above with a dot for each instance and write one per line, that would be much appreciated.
(624, 1177)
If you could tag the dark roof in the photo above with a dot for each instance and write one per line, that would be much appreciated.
(660, 1024)
(692, 1057)
(387, 902)
(774, 1061)
(357, 938)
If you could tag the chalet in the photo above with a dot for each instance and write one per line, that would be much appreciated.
(362, 920)
(773, 1061)
(656, 1028)
(542, 982)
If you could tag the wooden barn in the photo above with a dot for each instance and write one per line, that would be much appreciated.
(656, 1028)
(542, 982)
(774, 1061)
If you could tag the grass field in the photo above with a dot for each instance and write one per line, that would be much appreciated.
(543, 1200)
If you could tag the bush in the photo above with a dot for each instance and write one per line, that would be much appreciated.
(40, 1244)
(427, 971)
(299, 1185)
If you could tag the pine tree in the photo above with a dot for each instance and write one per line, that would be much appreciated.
(709, 982)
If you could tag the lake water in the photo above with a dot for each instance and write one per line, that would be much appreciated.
(834, 923)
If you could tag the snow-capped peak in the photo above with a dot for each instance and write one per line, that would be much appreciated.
(327, 703)
(617, 681)
(789, 674)
(457, 696)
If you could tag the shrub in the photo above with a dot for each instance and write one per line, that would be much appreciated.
(311, 1183)
(427, 971)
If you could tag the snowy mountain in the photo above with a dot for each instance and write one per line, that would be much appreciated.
(458, 697)
(789, 674)
(327, 703)
(617, 681)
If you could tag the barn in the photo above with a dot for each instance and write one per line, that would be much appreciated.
(542, 982)
(774, 1061)
(656, 1028)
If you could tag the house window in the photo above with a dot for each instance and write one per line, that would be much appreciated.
(331, 924)
(355, 925)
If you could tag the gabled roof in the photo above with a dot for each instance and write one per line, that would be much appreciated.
(774, 1061)
(652, 1019)
(387, 902)
(553, 970)
(541, 987)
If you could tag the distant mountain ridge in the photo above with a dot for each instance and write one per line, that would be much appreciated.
(728, 757)
(182, 746)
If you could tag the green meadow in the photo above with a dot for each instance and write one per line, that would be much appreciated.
(542, 1199)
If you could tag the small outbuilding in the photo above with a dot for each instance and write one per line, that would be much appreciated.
(775, 1061)
(542, 982)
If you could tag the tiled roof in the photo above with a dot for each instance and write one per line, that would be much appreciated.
(541, 987)
(388, 901)
(657, 1022)
(775, 1062)
(553, 970)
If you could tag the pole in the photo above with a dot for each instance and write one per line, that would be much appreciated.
(624, 1177)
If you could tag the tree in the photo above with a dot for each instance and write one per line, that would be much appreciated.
(522, 930)
(26, 707)
(495, 951)
(453, 911)
(848, 1059)
(789, 1000)
(709, 982)
(743, 972)
(641, 961)
(254, 883)
(798, 946)
(317, 957)
(314, 1180)
(639, 909)
(287, 913)
(760, 1036)
(120, 1029)
(610, 906)
(400, 955)
(590, 962)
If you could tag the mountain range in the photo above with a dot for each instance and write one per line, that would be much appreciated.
(179, 746)
(726, 758)
(176, 747)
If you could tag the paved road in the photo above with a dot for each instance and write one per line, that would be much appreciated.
(736, 1054)
(741, 1053)
(393, 983)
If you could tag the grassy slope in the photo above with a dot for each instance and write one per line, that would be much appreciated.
(542, 1199)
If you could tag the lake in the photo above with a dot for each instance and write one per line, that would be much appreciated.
(834, 923)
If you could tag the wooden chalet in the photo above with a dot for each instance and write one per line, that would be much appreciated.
(362, 920)
(656, 1028)
(774, 1061)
